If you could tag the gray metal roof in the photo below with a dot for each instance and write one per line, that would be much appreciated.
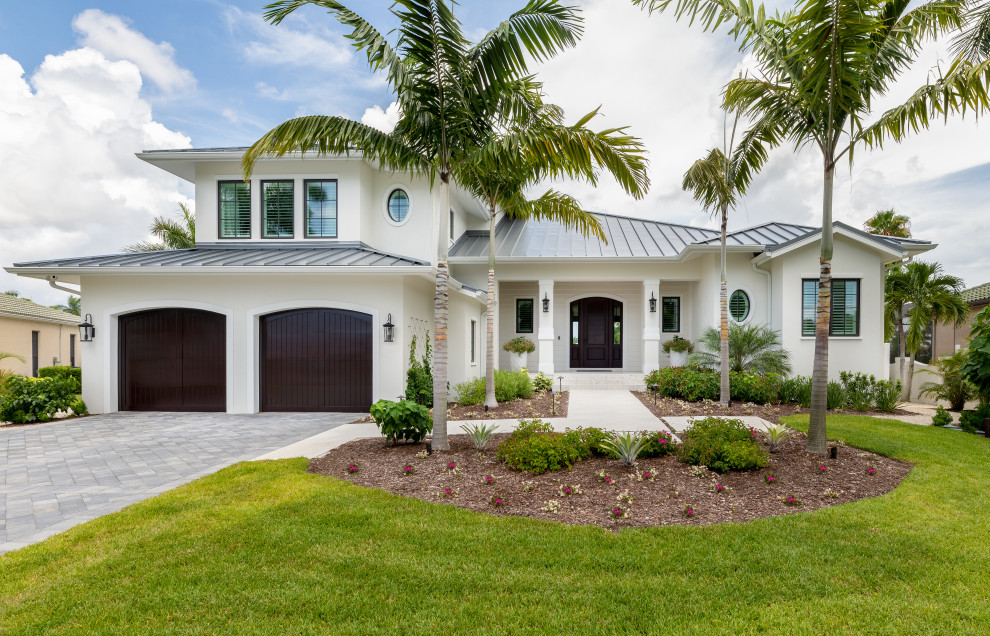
(349, 254)
(767, 234)
(627, 237)
(897, 244)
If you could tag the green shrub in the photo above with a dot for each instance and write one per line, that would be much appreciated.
(721, 445)
(470, 392)
(534, 447)
(403, 420)
(976, 369)
(954, 387)
(972, 421)
(542, 383)
(72, 373)
(509, 385)
(835, 396)
(941, 417)
(36, 399)
(79, 407)
(795, 388)
(887, 395)
(690, 384)
(750, 387)
(860, 389)
(419, 377)
(658, 444)
(752, 348)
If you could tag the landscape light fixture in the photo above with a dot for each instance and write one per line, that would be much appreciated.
(389, 329)
(86, 329)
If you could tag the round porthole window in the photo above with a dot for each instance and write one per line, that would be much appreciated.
(398, 205)
(739, 305)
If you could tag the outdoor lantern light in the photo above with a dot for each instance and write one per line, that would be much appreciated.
(546, 303)
(86, 329)
(389, 329)
(653, 303)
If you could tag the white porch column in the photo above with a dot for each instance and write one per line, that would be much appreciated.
(545, 335)
(651, 326)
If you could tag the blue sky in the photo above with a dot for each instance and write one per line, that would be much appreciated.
(84, 85)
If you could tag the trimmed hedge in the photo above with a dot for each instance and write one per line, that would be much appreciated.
(701, 384)
(72, 373)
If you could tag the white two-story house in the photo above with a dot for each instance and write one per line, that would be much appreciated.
(309, 282)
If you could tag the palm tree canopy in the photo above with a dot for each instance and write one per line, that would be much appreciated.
(889, 223)
(73, 305)
(934, 297)
(752, 348)
(973, 43)
(173, 233)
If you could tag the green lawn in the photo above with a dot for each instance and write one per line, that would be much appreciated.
(265, 548)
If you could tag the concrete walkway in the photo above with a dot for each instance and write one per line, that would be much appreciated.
(59, 474)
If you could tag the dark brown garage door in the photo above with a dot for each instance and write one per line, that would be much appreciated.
(173, 360)
(316, 360)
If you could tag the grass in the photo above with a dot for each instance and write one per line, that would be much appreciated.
(265, 548)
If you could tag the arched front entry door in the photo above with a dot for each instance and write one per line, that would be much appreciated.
(596, 333)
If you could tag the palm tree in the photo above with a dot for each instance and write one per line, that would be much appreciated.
(820, 68)
(889, 223)
(895, 296)
(934, 297)
(752, 348)
(973, 43)
(173, 234)
(452, 96)
(954, 388)
(500, 178)
(73, 305)
(717, 181)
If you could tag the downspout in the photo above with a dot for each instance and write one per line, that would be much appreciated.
(68, 290)
(752, 262)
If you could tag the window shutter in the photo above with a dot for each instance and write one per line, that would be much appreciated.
(277, 205)
(809, 300)
(235, 209)
(739, 305)
(524, 315)
(671, 321)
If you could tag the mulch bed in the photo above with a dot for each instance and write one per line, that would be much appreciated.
(769, 412)
(656, 502)
(539, 406)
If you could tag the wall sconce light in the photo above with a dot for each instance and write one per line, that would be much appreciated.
(653, 303)
(546, 303)
(86, 329)
(389, 329)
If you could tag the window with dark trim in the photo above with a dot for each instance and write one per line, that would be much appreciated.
(844, 320)
(398, 205)
(671, 321)
(72, 350)
(276, 209)
(474, 330)
(234, 209)
(321, 208)
(524, 315)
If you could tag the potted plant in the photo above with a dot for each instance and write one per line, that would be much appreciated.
(678, 349)
(519, 348)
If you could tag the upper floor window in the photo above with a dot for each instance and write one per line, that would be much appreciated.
(235, 209)
(276, 209)
(844, 320)
(671, 321)
(321, 208)
(398, 205)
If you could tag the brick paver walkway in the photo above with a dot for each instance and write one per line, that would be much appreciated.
(60, 474)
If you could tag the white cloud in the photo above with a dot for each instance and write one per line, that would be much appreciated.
(72, 183)
(294, 42)
(116, 40)
(383, 120)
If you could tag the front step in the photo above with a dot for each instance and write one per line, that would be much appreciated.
(599, 381)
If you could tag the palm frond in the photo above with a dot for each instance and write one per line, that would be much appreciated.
(973, 43)
(562, 208)
(752, 348)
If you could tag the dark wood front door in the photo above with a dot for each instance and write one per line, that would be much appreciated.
(316, 360)
(596, 333)
(173, 360)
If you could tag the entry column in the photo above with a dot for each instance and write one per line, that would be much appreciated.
(651, 325)
(545, 336)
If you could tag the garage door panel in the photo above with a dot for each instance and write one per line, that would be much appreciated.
(172, 360)
(316, 360)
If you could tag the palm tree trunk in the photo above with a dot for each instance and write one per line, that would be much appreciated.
(723, 354)
(440, 301)
(817, 435)
(906, 397)
(490, 400)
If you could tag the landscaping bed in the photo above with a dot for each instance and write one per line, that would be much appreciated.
(663, 407)
(655, 502)
(538, 406)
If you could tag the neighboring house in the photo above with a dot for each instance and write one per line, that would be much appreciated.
(948, 338)
(283, 304)
(41, 335)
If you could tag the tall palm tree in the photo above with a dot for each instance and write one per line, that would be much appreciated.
(173, 234)
(717, 181)
(499, 177)
(889, 223)
(895, 296)
(934, 298)
(821, 66)
(452, 96)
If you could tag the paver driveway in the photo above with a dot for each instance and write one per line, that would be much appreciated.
(56, 475)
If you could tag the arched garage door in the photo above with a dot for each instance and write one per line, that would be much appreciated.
(173, 360)
(316, 360)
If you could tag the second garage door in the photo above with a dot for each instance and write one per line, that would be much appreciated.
(316, 360)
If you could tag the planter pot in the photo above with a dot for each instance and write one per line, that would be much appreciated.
(518, 361)
(678, 358)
